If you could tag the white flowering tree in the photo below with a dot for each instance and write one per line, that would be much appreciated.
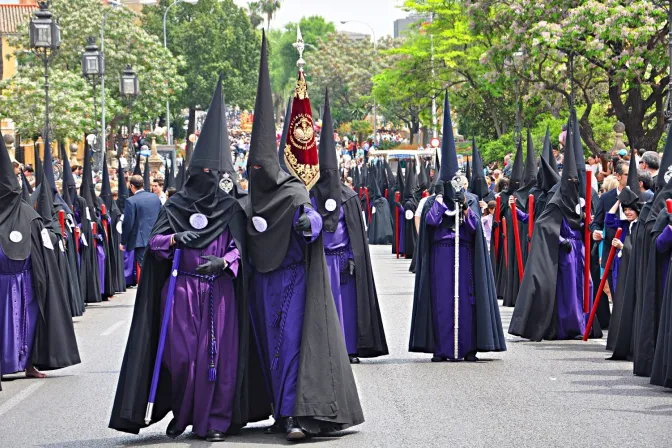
(71, 97)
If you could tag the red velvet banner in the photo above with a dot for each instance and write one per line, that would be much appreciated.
(300, 147)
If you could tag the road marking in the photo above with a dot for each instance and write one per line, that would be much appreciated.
(113, 328)
(18, 398)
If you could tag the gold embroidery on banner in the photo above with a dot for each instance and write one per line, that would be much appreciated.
(308, 174)
(301, 90)
(303, 131)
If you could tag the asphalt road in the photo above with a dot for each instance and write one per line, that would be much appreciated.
(551, 394)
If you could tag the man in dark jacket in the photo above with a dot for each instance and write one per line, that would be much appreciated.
(140, 214)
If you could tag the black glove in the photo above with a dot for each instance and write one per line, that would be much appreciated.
(566, 246)
(185, 237)
(304, 223)
(438, 188)
(213, 266)
(459, 197)
(495, 224)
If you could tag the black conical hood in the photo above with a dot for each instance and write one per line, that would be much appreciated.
(479, 186)
(467, 173)
(567, 197)
(169, 182)
(45, 204)
(546, 155)
(68, 181)
(530, 172)
(423, 178)
(86, 187)
(400, 180)
(106, 190)
(410, 184)
(37, 166)
(449, 166)
(122, 189)
(181, 178)
(633, 175)
(549, 176)
(283, 138)
(26, 184)
(145, 175)
(516, 179)
(665, 171)
(327, 190)
(578, 151)
(137, 171)
(213, 143)
(25, 194)
(48, 167)
(374, 189)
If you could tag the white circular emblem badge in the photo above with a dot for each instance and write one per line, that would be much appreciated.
(578, 209)
(373, 210)
(15, 237)
(259, 223)
(409, 215)
(226, 184)
(119, 227)
(198, 221)
(330, 205)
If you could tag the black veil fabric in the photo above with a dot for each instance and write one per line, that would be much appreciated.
(15, 214)
(568, 196)
(328, 186)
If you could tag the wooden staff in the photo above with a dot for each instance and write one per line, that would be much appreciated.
(586, 243)
(607, 267)
(61, 221)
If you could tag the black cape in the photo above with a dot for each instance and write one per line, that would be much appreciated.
(489, 333)
(619, 294)
(130, 402)
(370, 333)
(535, 313)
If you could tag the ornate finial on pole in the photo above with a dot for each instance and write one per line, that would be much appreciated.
(299, 46)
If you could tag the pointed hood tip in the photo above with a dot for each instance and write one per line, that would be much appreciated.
(449, 166)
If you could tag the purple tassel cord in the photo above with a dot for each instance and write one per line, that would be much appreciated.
(281, 317)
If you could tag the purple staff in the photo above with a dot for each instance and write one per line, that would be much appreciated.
(162, 336)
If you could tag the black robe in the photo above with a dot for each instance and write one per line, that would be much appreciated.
(497, 257)
(55, 345)
(661, 370)
(620, 292)
(251, 402)
(510, 293)
(106, 289)
(370, 333)
(535, 313)
(89, 280)
(489, 333)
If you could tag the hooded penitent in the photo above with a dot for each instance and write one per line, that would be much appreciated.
(145, 175)
(122, 189)
(517, 171)
(480, 327)
(90, 279)
(327, 190)
(550, 299)
(380, 227)
(267, 180)
(137, 170)
(529, 173)
(38, 165)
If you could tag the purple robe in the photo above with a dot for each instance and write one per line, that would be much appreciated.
(569, 289)
(402, 225)
(129, 268)
(100, 253)
(195, 400)
(664, 245)
(279, 299)
(443, 284)
(18, 314)
(338, 253)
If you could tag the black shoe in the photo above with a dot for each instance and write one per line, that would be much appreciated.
(438, 359)
(294, 431)
(471, 357)
(354, 360)
(215, 436)
(277, 427)
(172, 431)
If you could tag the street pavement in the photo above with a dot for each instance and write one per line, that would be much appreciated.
(550, 394)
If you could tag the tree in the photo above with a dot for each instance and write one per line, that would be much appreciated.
(253, 9)
(618, 49)
(269, 7)
(213, 38)
(70, 97)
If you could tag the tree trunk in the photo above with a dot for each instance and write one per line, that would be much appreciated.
(191, 126)
(632, 114)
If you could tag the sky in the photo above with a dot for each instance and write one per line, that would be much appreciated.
(379, 14)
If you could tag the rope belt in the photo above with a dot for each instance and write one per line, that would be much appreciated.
(343, 255)
(279, 318)
(210, 279)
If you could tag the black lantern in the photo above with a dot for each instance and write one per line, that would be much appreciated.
(93, 64)
(128, 85)
(45, 34)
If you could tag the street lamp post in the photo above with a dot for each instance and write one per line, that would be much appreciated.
(373, 35)
(129, 87)
(45, 40)
(165, 45)
(93, 67)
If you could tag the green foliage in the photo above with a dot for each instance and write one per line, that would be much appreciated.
(71, 98)
(362, 128)
(212, 37)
